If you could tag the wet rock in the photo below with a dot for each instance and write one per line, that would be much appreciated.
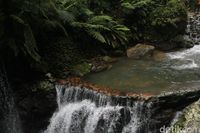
(102, 63)
(140, 50)
(182, 42)
(99, 68)
(190, 119)
(82, 69)
(108, 59)
(118, 53)
(159, 55)
(165, 46)
(36, 103)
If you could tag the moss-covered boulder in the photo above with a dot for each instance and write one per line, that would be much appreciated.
(189, 121)
(81, 69)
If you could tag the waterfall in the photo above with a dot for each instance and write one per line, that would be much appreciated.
(193, 27)
(189, 58)
(85, 111)
(9, 119)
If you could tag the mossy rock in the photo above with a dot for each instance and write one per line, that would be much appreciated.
(189, 120)
(81, 69)
(108, 59)
(43, 85)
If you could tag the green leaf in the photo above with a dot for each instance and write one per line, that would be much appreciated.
(17, 19)
(30, 46)
(98, 36)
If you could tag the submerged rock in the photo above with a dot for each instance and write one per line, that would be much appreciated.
(102, 63)
(140, 50)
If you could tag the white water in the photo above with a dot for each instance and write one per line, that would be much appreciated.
(84, 116)
(84, 111)
(9, 118)
(186, 59)
(189, 58)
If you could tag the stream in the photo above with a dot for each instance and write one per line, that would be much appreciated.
(179, 70)
(84, 110)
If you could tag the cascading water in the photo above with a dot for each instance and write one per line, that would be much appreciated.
(189, 59)
(9, 120)
(85, 111)
(82, 110)
(193, 28)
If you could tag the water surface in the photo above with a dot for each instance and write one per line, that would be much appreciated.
(179, 70)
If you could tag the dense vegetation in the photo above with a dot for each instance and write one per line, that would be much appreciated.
(60, 36)
(54, 34)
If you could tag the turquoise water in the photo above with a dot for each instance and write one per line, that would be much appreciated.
(179, 70)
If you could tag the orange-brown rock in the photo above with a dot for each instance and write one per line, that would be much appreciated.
(77, 81)
(198, 2)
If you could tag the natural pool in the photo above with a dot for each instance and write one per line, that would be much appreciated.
(177, 71)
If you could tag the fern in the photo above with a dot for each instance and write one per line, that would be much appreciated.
(98, 36)
(30, 43)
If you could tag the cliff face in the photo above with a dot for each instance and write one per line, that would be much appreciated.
(36, 102)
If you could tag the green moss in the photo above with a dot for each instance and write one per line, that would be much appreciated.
(179, 124)
(42, 85)
(155, 20)
(82, 69)
(169, 20)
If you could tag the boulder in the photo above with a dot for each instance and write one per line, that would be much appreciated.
(189, 121)
(183, 42)
(118, 53)
(36, 103)
(109, 59)
(159, 55)
(82, 69)
(140, 50)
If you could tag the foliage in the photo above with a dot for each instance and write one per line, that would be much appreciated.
(18, 36)
(31, 28)
(64, 16)
(102, 27)
(155, 19)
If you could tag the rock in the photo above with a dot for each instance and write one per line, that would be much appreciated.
(36, 102)
(99, 68)
(140, 50)
(159, 55)
(108, 59)
(182, 42)
(190, 119)
(118, 53)
(102, 63)
(82, 69)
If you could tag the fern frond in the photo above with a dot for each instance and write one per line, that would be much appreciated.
(30, 44)
(65, 16)
(17, 19)
(100, 19)
(98, 36)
